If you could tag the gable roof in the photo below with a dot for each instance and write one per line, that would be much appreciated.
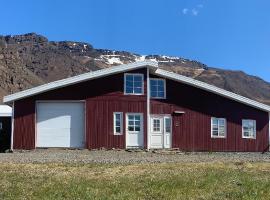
(78, 79)
(132, 66)
(211, 88)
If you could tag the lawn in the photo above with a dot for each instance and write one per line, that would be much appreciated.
(135, 181)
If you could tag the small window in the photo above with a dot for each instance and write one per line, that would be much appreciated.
(134, 84)
(168, 125)
(134, 123)
(156, 125)
(157, 87)
(1, 126)
(218, 127)
(249, 128)
(118, 123)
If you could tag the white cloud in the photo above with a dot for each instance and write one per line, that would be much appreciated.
(185, 11)
(194, 12)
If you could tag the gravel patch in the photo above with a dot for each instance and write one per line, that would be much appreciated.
(122, 156)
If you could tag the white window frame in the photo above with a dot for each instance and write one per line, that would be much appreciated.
(134, 74)
(225, 128)
(255, 128)
(164, 81)
(141, 123)
(160, 125)
(164, 124)
(121, 123)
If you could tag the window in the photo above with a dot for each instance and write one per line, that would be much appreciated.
(156, 125)
(134, 84)
(248, 128)
(157, 87)
(118, 123)
(168, 125)
(134, 123)
(218, 127)
(1, 125)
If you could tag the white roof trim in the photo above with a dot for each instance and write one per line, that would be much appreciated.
(132, 66)
(78, 79)
(211, 88)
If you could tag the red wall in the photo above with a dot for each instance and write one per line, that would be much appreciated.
(192, 130)
(102, 97)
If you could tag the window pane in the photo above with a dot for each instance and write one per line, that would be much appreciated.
(160, 88)
(160, 94)
(214, 121)
(137, 123)
(131, 117)
(168, 125)
(160, 82)
(137, 90)
(131, 128)
(215, 133)
(131, 123)
(138, 84)
(137, 78)
(129, 90)
(137, 128)
(129, 78)
(152, 82)
(137, 117)
(154, 94)
(221, 122)
(153, 88)
(118, 129)
(117, 123)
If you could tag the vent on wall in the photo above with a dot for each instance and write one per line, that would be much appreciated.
(179, 112)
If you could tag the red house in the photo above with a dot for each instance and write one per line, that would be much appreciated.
(137, 105)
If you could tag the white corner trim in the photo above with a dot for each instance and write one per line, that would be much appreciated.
(78, 79)
(211, 88)
(12, 127)
(148, 109)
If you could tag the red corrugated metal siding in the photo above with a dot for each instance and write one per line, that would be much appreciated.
(102, 96)
(24, 124)
(194, 130)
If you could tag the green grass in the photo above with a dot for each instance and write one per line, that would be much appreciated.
(140, 181)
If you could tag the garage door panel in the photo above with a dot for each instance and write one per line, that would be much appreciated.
(60, 124)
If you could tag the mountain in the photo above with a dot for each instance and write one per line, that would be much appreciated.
(29, 60)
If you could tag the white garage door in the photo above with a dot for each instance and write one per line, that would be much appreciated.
(60, 124)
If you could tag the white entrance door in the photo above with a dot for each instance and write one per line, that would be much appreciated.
(134, 130)
(160, 136)
(60, 124)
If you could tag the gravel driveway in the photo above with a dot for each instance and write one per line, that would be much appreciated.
(122, 156)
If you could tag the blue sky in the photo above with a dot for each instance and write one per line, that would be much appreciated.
(230, 34)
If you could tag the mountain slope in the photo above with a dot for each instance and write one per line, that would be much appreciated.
(30, 60)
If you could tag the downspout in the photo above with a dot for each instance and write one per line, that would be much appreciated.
(148, 109)
(12, 127)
